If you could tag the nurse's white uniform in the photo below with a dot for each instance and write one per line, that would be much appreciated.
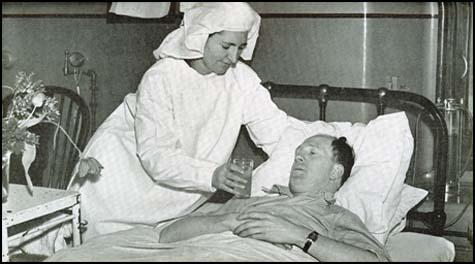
(160, 147)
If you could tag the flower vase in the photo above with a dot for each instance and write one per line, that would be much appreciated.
(5, 175)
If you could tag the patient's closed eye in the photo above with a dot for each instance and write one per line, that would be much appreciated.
(310, 150)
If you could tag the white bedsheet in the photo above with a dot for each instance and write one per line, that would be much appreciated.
(140, 244)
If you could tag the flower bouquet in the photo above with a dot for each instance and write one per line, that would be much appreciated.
(30, 106)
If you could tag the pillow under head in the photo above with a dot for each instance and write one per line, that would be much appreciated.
(383, 150)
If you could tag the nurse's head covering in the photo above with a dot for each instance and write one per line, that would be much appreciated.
(205, 18)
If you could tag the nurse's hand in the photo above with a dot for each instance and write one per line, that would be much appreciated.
(228, 177)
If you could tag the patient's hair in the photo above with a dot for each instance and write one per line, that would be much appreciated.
(344, 155)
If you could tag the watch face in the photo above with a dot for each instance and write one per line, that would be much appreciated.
(313, 236)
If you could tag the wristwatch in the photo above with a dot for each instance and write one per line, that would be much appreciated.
(311, 238)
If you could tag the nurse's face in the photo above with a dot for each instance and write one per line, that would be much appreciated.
(222, 50)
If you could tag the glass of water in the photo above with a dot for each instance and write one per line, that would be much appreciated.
(247, 166)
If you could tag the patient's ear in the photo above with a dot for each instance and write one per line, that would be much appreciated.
(337, 171)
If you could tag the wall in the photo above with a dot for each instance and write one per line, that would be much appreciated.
(350, 52)
(470, 83)
(55, 8)
(344, 7)
(119, 53)
(470, 73)
(339, 52)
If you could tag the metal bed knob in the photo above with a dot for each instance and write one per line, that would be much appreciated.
(324, 91)
(382, 92)
(267, 85)
(322, 101)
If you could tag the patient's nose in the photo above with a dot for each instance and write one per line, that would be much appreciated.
(298, 158)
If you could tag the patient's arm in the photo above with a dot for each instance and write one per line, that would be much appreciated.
(327, 249)
(267, 227)
(192, 226)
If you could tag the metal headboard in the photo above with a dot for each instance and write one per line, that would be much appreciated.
(382, 98)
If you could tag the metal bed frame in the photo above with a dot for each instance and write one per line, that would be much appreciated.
(401, 100)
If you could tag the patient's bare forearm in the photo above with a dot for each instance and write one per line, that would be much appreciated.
(193, 226)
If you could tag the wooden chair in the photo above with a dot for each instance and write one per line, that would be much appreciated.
(55, 156)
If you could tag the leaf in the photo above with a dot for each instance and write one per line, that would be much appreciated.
(4, 192)
(6, 155)
(29, 156)
(18, 147)
(5, 165)
(31, 121)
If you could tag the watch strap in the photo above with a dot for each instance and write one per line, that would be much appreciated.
(311, 238)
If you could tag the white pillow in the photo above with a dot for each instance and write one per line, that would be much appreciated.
(410, 197)
(382, 155)
(416, 247)
(276, 170)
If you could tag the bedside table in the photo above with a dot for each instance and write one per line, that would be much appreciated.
(22, 207)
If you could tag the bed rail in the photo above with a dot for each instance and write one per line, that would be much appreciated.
(383, 98)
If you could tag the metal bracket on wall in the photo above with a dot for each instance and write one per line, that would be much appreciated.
(76, 60)
(8, 60)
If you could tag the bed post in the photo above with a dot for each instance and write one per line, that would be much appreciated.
(322, 101)
(382, 104)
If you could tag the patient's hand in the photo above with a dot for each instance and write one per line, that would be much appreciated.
(231, 221)
(270, 228)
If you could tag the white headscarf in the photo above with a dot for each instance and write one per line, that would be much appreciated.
(205, 18)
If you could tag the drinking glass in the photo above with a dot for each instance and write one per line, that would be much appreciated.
(247, 166)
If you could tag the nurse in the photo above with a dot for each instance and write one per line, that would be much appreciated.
(165, 148)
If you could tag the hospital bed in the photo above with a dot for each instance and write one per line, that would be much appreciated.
(411, 242)
(382, 99)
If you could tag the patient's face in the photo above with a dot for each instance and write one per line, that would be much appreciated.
(222, 50)
(312, 165)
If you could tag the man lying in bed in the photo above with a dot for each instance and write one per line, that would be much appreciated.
(302, 214)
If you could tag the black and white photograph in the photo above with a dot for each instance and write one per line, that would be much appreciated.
(237, 131)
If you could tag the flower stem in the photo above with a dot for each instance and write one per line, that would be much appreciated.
(72, 142)
(67, 136)
(31, 114)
